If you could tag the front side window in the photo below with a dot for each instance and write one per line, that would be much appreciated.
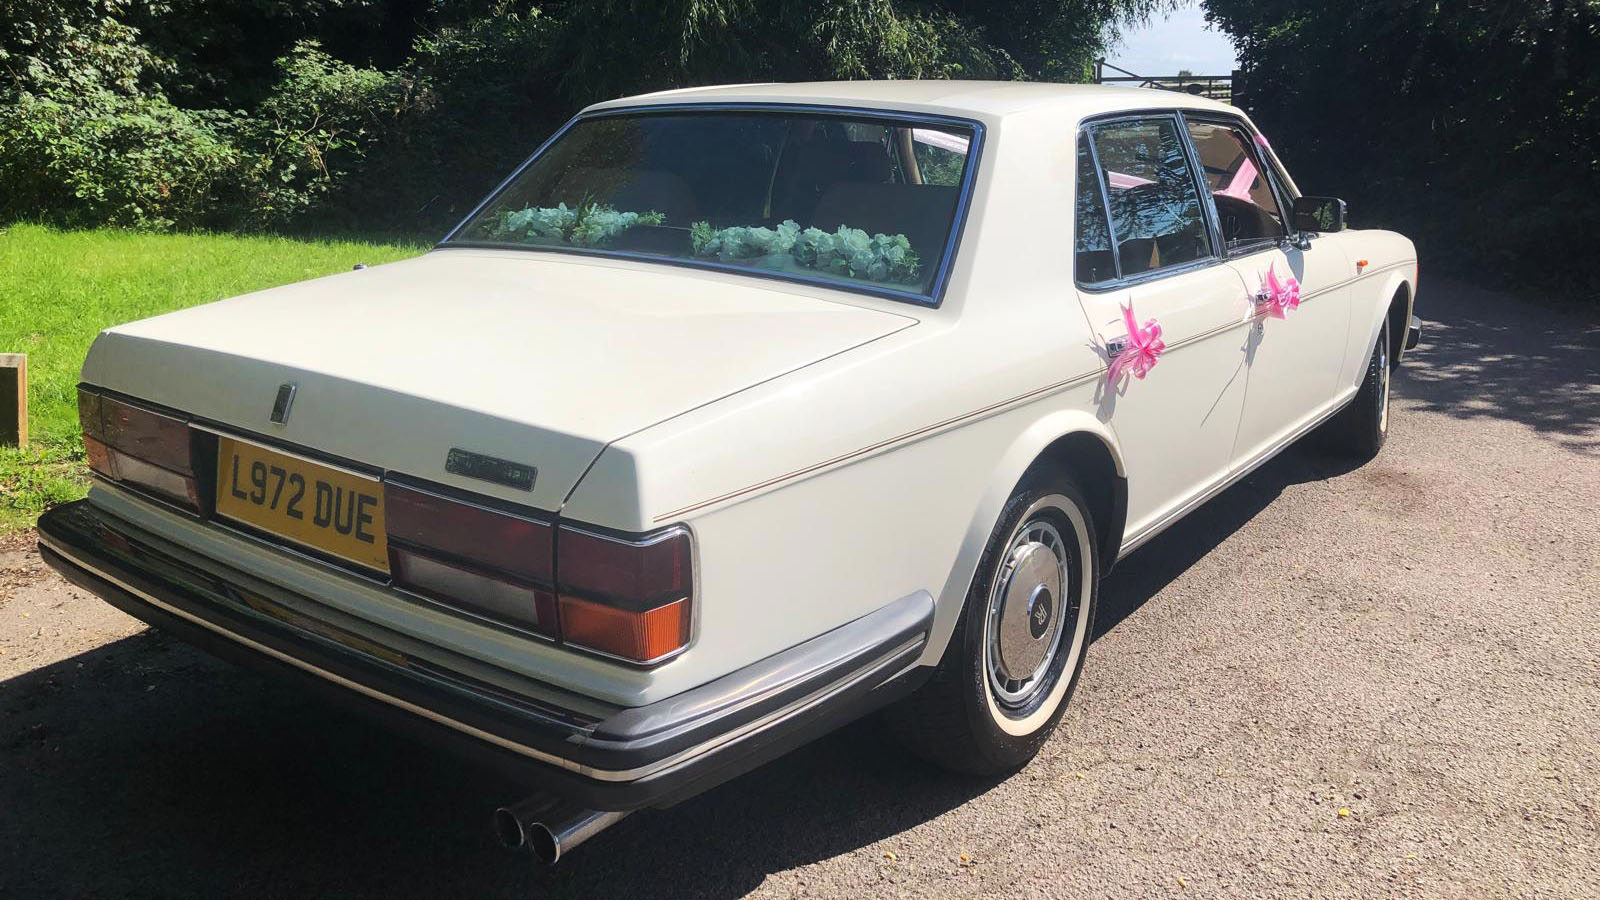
(1157, 221)
(861, 201)
(1247, 209)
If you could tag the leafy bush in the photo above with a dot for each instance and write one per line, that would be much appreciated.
(100, 157)
(312, 131)
(84, 140)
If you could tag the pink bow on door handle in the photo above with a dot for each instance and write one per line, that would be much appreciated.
(1277, 297)
(1138, 355)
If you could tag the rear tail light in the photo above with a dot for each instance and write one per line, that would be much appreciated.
(140, 447)
(648, 636)
(481, 560)
(626, 597)
(492, 596)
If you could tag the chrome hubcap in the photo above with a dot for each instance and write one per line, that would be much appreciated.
(1025, 629)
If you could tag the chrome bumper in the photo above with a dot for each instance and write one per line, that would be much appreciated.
(601, 756)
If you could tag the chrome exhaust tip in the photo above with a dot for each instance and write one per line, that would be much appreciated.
(549, 828)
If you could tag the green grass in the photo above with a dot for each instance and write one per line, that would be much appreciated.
(58, 289)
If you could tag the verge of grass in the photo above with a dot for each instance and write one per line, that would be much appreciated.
(58, 289)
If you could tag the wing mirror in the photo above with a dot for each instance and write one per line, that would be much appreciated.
(1324, 214)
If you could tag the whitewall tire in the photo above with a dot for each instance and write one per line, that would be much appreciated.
(1016, 654)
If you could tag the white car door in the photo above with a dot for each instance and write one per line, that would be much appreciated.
(1143, 237)
(1294, 361)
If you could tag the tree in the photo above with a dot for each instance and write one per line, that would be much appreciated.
(402, 113)
(1473, 125)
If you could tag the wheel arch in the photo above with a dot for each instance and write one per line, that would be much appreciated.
(1072, 440)
(1392, 303)
(1399, 316)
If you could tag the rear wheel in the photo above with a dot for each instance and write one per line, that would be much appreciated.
(1360, 429)
(1017, 651)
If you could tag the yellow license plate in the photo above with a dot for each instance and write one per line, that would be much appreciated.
(337, 512)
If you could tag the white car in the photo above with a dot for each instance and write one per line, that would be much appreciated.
(736, 413)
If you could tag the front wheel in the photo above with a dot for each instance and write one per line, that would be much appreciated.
(1018, 649)
(1360, 429)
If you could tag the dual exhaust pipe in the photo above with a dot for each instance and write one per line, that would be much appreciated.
(548, 827)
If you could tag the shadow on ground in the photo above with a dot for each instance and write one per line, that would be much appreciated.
(1485, 355)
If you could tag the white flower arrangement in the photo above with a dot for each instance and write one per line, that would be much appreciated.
(584, 226)
(601, 223)
(740, 242)
(848, 251)
(544, 221)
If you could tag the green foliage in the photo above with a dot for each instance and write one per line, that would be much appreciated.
(586, 225)
(61, 45)
(97, 156)
(83, 140)
(312, 131)
(402, 114)
(848, 251)
(1473, 127)
(741, 242)
(33, 480)
(939, 166)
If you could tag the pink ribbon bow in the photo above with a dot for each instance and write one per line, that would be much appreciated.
(1276, 296)
(1139, 355)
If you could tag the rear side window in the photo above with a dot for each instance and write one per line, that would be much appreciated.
(1247, 209)
(1156, 218)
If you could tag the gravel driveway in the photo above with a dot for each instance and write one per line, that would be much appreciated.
(1327, 682)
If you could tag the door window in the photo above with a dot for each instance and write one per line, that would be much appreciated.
(1247, 209)
(1155, 213)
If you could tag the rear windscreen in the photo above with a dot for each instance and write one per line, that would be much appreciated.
(858, 201)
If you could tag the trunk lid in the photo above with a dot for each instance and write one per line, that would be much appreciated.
(535, 358)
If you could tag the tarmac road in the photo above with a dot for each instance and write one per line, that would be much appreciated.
(1325, 683)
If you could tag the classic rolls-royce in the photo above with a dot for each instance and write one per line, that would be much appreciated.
(734, 414)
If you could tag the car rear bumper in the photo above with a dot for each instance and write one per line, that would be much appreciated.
(594, 754)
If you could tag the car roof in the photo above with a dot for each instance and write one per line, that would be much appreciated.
(967, 99)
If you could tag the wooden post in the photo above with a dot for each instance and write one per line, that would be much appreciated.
(13, 399)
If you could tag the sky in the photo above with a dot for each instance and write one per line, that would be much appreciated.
(1179, 40)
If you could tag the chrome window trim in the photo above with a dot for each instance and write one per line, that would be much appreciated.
(934, 296)
(1268, 170)
(1213, 235)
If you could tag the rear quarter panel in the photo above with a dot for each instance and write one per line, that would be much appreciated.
(821, 496)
